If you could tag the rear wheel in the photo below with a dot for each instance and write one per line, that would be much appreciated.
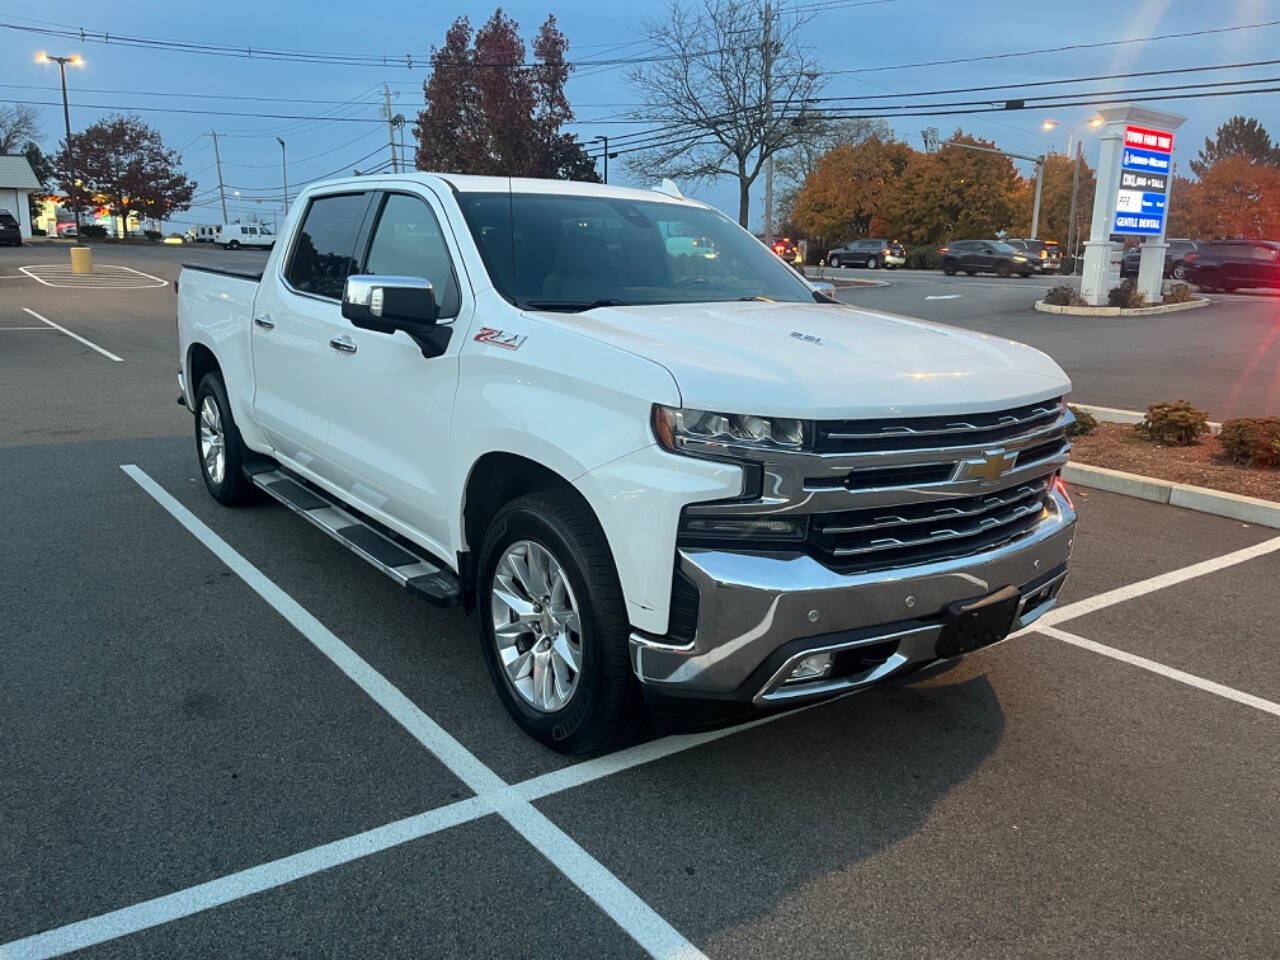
(835, 260)
(971, 272)
(1179, 271)
(218, 445)
(949, 269)
(233, 245)
(553, 624)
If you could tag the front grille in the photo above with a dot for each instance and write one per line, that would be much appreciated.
(913, 433)
(879, 537)
(878, 477)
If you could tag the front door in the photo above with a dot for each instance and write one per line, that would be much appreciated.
(294, 313)
(391, 407)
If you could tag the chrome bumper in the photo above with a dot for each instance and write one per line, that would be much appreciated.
(759, 613)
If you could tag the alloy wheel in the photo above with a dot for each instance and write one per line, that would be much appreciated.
(537, 627)
(213, 449)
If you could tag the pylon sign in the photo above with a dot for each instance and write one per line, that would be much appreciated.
(1146, 163)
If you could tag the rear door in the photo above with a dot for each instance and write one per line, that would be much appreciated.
(295, 313)
(391, 406)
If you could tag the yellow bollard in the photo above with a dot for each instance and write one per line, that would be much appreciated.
(81, 260)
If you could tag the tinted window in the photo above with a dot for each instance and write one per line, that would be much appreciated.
(1000, 247)
(407, 242)
(323, 254)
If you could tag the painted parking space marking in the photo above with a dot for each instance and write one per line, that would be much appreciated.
(944, 296)
(75, 336)
(618, 901)
(1190, 679)
(104, 277)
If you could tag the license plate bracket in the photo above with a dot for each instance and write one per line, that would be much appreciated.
(978, 622)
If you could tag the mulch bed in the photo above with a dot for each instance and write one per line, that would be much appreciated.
(1118, 447)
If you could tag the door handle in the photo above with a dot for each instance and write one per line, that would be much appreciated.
(265, 322)
(342, 344)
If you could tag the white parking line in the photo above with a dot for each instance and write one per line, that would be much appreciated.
(105, 276)
(1190, 679)
(43, 329)
(75, 336)
(944, 296)
(626, 909)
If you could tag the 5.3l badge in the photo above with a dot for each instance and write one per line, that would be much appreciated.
(500, 338)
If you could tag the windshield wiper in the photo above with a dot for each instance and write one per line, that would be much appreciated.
(573, 305)
(755, 298)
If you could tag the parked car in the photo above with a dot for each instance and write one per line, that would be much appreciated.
(233, 236)
(1232, 264)
(67, 228)
(10, 229)
(1045, 256)
(871, 253)
(984, 256)
(786, 249)
(650, 485)
(1175, 259)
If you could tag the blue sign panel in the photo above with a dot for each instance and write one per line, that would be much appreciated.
(1143, 224)
(1147, 161)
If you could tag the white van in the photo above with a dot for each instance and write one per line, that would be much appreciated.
(237, 235)
(204, 233)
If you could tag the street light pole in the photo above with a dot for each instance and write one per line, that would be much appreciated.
(75, 60)
(606, 156)
(284, 173)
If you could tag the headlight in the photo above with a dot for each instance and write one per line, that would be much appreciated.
(680, 430)
(1018, 259)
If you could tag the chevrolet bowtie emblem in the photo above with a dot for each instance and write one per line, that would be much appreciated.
(989, 468)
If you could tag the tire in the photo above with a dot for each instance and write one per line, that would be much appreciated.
(232, 488)
(835, 262)
(233, 245)
(873, 263)
(972, 273)
(1179, 271)
(949, 269)
(604, 704)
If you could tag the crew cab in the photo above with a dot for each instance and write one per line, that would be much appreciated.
(656, 477)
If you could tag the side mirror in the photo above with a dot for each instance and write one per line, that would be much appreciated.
(825, 287)
(387, 304)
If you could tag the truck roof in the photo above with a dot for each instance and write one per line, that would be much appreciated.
(467, 183)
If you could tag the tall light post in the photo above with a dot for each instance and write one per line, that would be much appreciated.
(605, 155)
(237, 206)
(1094, 123)
(284, 173)
(76, 61)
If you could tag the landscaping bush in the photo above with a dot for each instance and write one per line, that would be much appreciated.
(924, 257)
(1251, 441)
(92, 231)
(1085, 422)
(1173, 424)
(153, 234)
(1126, 296)
(1064, 295)
(1178, 293)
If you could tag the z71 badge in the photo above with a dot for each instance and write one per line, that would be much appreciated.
(500, 338)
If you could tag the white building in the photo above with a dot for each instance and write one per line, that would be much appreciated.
(16, 181)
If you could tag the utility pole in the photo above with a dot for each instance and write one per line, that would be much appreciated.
(768, 122)
(1035, 210)
(284, 173)
(605, 155)
(222, 191)
(1071, 223)
(76, 60)
(391, 127)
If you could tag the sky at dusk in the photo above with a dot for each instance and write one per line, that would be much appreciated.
(889, 34)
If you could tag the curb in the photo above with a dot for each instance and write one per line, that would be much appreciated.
(1117, 415)
(1262, 513)
(850, 282)
(1043, 307)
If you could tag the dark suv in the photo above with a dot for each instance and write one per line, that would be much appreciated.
(1175, 259)
(985, 256)
(10, 230)
(1045, 255)
(872, 253)
(1230, 264)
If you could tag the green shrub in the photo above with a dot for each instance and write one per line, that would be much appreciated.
(1251, 441)
(1085, 422)
(1126, 296)
(923, 257)
(1173, 424)
(1178, 293)
(91, 231)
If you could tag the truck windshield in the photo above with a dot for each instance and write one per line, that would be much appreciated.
(556, 252)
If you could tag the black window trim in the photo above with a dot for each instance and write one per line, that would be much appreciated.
(373, 216)
(287, 261)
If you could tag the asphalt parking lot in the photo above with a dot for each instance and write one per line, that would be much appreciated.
(227, 736)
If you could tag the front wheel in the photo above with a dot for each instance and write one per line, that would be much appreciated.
(1002, 270)
(553, 624)
(873, 263)
(1179, 271)
(218, 445)
(949, 269)
(233, 245)
(835, 262)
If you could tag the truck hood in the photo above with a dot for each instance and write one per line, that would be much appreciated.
(823, 361)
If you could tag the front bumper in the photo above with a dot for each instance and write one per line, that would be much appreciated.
(759, 614)
(895, 260)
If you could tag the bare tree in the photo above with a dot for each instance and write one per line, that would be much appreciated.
(728, 86)
(18, 124)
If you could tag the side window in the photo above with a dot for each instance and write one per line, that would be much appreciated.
(323, 256)
(408, 242)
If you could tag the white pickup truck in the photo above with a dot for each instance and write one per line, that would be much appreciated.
(660, 465)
